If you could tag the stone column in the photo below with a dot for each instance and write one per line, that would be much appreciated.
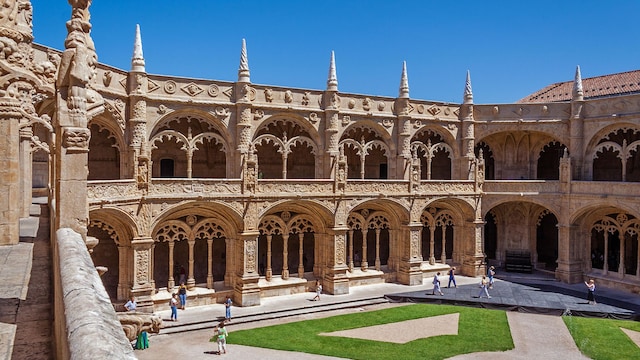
(25, 170)
(335, 280)
(124, 283)
(301, 255)
(365, 264)
(569, 268)
(409, 272)
(246, 290)
(209, 263)
(432, 242)
(285, 257)
(377, 261)
(473, 263)
(9, 179)
(172, 282)
(269, 273)
(142, 288)
(191, 282)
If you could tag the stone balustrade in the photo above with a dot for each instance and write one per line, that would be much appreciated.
(88, 327)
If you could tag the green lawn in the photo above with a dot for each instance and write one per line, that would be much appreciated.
(478, 330)
(602, 339)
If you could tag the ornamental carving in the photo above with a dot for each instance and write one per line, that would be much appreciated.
(248, 93)
(305, 98)
(76, 139)
(313, 118)
(170, 87)
(192, 89)
(268, 95)
(288, 97)
(140, 110)
(340, 249)
(152, 85)
(366, 104)
(415, 243)
(144, 219)
(250, 259)
(108, 192)
(213, 90)
(346, 119)
(116, 114)
(142, 266)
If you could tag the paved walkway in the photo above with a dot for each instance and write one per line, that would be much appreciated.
(195, 344)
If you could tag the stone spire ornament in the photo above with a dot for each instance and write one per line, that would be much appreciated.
(332, 81)
(468, 93)
(404, 82)
(578, 93)
(137, 61)
(243, 70)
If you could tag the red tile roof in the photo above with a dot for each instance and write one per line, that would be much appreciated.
(595, 87)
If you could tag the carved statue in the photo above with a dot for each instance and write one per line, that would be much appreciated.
(135, 323)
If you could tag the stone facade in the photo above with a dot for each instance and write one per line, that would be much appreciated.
(256, 190)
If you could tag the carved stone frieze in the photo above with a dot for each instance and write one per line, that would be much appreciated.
(108, 192)
(251, 247)
(307, 187)
(340, 251)
(158, 188)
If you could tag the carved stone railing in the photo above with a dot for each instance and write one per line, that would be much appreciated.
(608, 188)
(87, 327)
(112, 190)
(528, 187)
(307, 187)
(194, 187)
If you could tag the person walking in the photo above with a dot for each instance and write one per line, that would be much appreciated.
(227, 308)
(436, 284)
(318, 291)
(182, 292)
(221, 333)
(591, 289)
(173, 303)
(483, 287)
(452, 277)
(491, 273)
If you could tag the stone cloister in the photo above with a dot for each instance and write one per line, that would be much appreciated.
(255, 190)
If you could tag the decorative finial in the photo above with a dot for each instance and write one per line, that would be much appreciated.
(137, 61)
(468, 93)
(404, 82)
(243, 70)
(578, 94)
(332, 82)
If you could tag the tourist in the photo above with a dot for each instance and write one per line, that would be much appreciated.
(591, 289)
(318, 290)
(483, 287)
(227, 308)
(452, 277)
(436, 284)
(221, 333)
(491, 273)
(173, 303)
(131, 304)
(182, 291)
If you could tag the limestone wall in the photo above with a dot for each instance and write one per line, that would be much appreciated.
(86, 323)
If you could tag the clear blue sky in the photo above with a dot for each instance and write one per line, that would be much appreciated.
(512, 48)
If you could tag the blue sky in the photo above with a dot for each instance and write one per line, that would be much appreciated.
(512, 48)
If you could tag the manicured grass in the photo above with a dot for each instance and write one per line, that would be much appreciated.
(478, 330)
(602, 339)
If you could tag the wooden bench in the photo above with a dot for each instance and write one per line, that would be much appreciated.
(518, 261)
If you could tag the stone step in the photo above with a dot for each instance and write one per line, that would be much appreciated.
(180, 327)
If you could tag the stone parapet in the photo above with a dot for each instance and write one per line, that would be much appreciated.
(91, 327)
